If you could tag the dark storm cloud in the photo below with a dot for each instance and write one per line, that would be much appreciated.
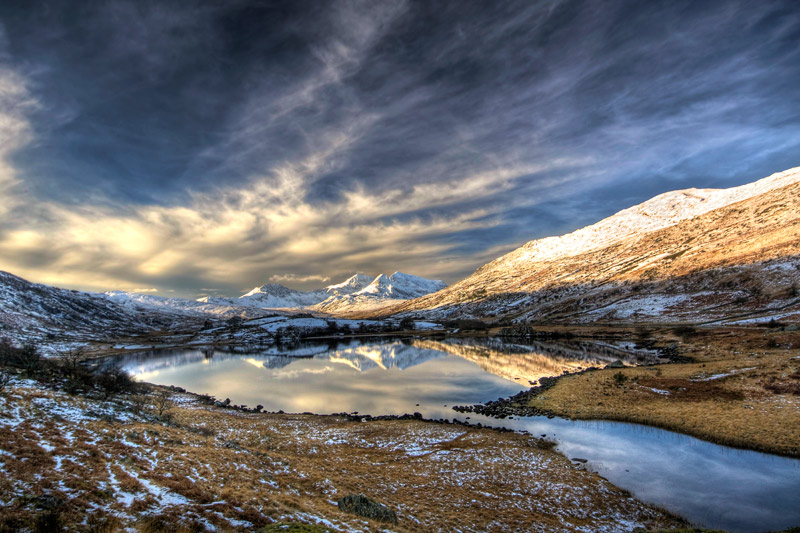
(277, 124)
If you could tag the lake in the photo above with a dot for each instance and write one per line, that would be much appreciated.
(711, 485)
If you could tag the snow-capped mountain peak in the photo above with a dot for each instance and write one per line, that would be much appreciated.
(271, 289)
(401, 286)
(380, 292)
(354, 283)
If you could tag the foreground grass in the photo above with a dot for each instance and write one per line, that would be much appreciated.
(85, 465)
(742, 390)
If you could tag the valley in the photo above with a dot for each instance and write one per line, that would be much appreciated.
(679, 314)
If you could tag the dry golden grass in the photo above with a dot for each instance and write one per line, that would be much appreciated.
(756, 407)
(241, 471)
(758, 229)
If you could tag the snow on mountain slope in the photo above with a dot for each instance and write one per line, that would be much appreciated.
(401, 286)
(382, 292)
(30, 312)
(659, 212)
(209, 305)
(352, 284)
(275, 296)
(680, 251)
(359, 290)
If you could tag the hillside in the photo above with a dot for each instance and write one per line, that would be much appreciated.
(684, 256)
(62, 319)
(32, 312)
(129, 464)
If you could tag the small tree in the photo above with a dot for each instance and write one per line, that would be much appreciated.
(77, 375)
(139, 402)
(26, 358)
(162, 404)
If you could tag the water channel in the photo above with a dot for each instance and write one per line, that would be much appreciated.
(712, 486)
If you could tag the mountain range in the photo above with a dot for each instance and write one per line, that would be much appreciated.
(64, 319)
(698, 256)
(357, 293)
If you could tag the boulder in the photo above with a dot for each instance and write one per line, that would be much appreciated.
(361, 505)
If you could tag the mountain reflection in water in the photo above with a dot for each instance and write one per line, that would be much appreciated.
(709, 484)
(519, 363)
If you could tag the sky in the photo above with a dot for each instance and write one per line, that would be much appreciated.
(203, 148)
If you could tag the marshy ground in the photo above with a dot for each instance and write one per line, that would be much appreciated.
(740, 388)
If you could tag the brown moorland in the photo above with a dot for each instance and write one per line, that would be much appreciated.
(79, 463)
(741, 389)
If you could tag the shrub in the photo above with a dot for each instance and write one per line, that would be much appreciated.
(684, 330)
(78, 377)
(26, 358)
(114, 381)
(407, 323)
(619, 378)
(363, 506)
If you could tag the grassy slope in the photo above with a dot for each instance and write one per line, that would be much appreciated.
(763, 228)
(757, 406)
(69, 457)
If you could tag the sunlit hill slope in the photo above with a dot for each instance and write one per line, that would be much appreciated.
(695, 255)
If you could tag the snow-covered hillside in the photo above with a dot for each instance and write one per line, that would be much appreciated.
(275, 296)
(659, 212)
(30, 312)
(225, 307)
(683, 256)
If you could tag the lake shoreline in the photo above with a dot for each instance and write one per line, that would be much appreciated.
(122, 465)
(700, 349)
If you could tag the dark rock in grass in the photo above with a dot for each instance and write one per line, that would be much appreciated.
(616, 364)
(48, 502)
(361, 505)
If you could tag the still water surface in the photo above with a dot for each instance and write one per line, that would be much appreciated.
(711, 485)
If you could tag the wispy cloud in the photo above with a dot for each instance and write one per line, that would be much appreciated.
(143, 290)
(15, 132)
(293, 278)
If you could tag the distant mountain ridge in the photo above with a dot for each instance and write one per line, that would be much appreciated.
(685, 256)
(354, 294)
(383, 292)
(275, 296)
